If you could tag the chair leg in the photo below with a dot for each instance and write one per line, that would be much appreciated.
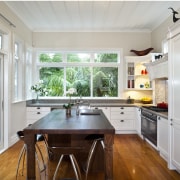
(22, 154)
(75, 167)
(60, 160)
(40, 161)
(49, 151)
(41, 156)
(90, 155)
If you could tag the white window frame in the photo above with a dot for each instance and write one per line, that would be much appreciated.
(1, 41)
(18, 90)
(119, 65)
(28, 72)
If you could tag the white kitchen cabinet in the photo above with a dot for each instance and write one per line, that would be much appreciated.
(175, 129)
(162, 136)
(106, 111)
(35, 113)
(158, 68)
(138, 121)
(137, 77)
(173, 96)
(123, 119)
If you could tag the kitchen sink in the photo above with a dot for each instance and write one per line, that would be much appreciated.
(89, 112)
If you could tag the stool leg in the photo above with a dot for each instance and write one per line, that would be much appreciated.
(75, 167)
(60, 160)
(41, 156)
(49, 151)
(22, 154)
(39, 161)
(91, 153)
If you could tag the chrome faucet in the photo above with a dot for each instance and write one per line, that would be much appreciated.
(77, 108)
(82, 105)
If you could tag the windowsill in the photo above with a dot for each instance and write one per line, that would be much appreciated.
(18, 101)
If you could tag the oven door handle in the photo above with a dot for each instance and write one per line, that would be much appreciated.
(148, 119)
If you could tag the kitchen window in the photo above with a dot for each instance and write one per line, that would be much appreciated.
(93, 74)
(18, 71)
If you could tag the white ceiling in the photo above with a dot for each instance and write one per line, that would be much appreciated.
(93, 15)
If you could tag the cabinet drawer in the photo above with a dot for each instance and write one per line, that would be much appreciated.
(35, 115)
(122, 115)
(123, 124)
(38, 109)
(122, 109)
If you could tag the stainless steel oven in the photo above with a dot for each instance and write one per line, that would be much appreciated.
(149, 122)
(149, 126)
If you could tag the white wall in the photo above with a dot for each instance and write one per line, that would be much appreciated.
(160, 34)
(15, 117)
(93, 40)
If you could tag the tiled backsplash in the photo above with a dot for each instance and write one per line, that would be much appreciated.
(161, 90)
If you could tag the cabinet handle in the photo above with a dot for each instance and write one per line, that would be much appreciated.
(159, 118)
(96, 107)
(38, 108)
(122, 120)
(38, 113)
(171, 119)
(122, 113)
(121, 107)
(171, 124)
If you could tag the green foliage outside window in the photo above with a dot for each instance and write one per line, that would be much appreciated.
(50, 57)
(104, 79)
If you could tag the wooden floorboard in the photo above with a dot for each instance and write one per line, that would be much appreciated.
(134, 159)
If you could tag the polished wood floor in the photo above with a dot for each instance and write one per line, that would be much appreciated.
(134, 159)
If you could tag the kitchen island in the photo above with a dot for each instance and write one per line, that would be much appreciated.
(57, 122)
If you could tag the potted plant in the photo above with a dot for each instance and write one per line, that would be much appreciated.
(39, 89)
(68, 106)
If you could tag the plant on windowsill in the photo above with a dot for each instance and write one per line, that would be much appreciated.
(70, 92)
(39, 89)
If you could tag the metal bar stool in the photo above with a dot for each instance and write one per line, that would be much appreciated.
(22, 154)
(66, 151)
(74, 165)
(96, 138)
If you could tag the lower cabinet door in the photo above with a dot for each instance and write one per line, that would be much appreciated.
(162, 136)
(123, 124)
(176, 145)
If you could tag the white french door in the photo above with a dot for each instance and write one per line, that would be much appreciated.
(1, 103)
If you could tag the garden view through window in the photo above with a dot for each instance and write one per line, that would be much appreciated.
(91, 74)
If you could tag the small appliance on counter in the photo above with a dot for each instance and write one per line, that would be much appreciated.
(162, 105)
(130, 101)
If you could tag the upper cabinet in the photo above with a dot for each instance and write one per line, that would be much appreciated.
(158, 68)
(137, 75)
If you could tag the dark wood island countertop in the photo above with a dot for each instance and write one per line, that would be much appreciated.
(57, 122)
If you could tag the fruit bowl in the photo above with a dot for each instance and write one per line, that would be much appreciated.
(146, 100)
